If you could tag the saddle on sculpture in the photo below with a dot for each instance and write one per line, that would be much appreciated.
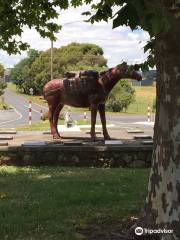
(88, 74)
(81, 82)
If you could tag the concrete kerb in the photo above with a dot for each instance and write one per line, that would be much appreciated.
(2, 144)
(2, 137)
(8, 132)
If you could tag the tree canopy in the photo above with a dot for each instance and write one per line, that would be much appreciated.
(149, 15)
(121, 96)
(1, 70)
(21, 74)
(3, 85)
(34, 71)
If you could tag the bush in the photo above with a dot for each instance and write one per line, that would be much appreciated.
(3, 85)
(5, 106)
(120, 97)
(45, 116)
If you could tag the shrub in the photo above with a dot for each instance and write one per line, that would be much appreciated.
(120, 97)
(3, 85)
(45, 116)
(5, 106)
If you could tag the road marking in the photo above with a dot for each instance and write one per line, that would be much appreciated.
(20, 116)
(41, 106)
(145, 123)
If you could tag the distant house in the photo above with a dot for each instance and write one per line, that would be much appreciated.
(149, 78)
(6, 74)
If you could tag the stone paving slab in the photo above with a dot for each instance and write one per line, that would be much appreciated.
(147, 142)
(34, 143)
(96, 132)
(6, 137)
(116, 134)
(142, 137)
(7, 132)
(113, 142)
(2, 144)
(135, 131)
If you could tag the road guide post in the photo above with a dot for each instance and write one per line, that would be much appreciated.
(30, 106)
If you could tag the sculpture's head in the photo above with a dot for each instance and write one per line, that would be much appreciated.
(129, 71)
(136, 75)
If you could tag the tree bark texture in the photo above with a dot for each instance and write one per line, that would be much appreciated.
(162, 208)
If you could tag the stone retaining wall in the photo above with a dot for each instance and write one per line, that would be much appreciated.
(80, 156)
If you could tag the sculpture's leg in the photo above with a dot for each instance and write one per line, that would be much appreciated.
(93, 122)
(52, 108)
(101, 109)
(56, 117)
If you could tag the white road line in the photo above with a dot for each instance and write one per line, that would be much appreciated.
(20, 116)
(40, 105)
(144, 123)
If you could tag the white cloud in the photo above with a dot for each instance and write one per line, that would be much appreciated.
(118, 44)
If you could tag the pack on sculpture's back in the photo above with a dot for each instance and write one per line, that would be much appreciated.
(80, 82)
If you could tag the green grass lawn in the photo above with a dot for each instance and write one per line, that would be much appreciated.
(50, 203)
(44, 125)
(40, 126)
(144, 96)
(1, 105)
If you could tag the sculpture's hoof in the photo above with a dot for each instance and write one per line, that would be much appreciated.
(107, 137)
(93, 138)
(56, 137)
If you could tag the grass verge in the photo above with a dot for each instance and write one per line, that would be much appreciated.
(144, 96)
(3, 105)
(51, 203)
(44, 125)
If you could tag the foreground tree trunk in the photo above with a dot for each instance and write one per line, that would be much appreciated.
(162, 208)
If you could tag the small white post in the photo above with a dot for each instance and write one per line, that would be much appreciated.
(149, 113)
(85, 116)
(41, 112)
(30, 112)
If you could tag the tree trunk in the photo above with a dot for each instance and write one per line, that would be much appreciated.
(162, 208)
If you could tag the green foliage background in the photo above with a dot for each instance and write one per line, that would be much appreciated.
(120, 97)
(3, 85)
(1, 70)
(34, 71)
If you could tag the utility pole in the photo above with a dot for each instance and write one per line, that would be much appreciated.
(51, 59)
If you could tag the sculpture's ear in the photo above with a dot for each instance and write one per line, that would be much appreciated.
(122, 65)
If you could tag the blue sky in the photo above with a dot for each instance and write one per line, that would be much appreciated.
(120, 44)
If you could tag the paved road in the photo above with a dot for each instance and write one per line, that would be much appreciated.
(19, 116)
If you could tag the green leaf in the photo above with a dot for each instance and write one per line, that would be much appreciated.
(86, 13)
(124, 18)
(157, 24)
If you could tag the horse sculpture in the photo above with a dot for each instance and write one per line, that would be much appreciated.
(88, 89)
